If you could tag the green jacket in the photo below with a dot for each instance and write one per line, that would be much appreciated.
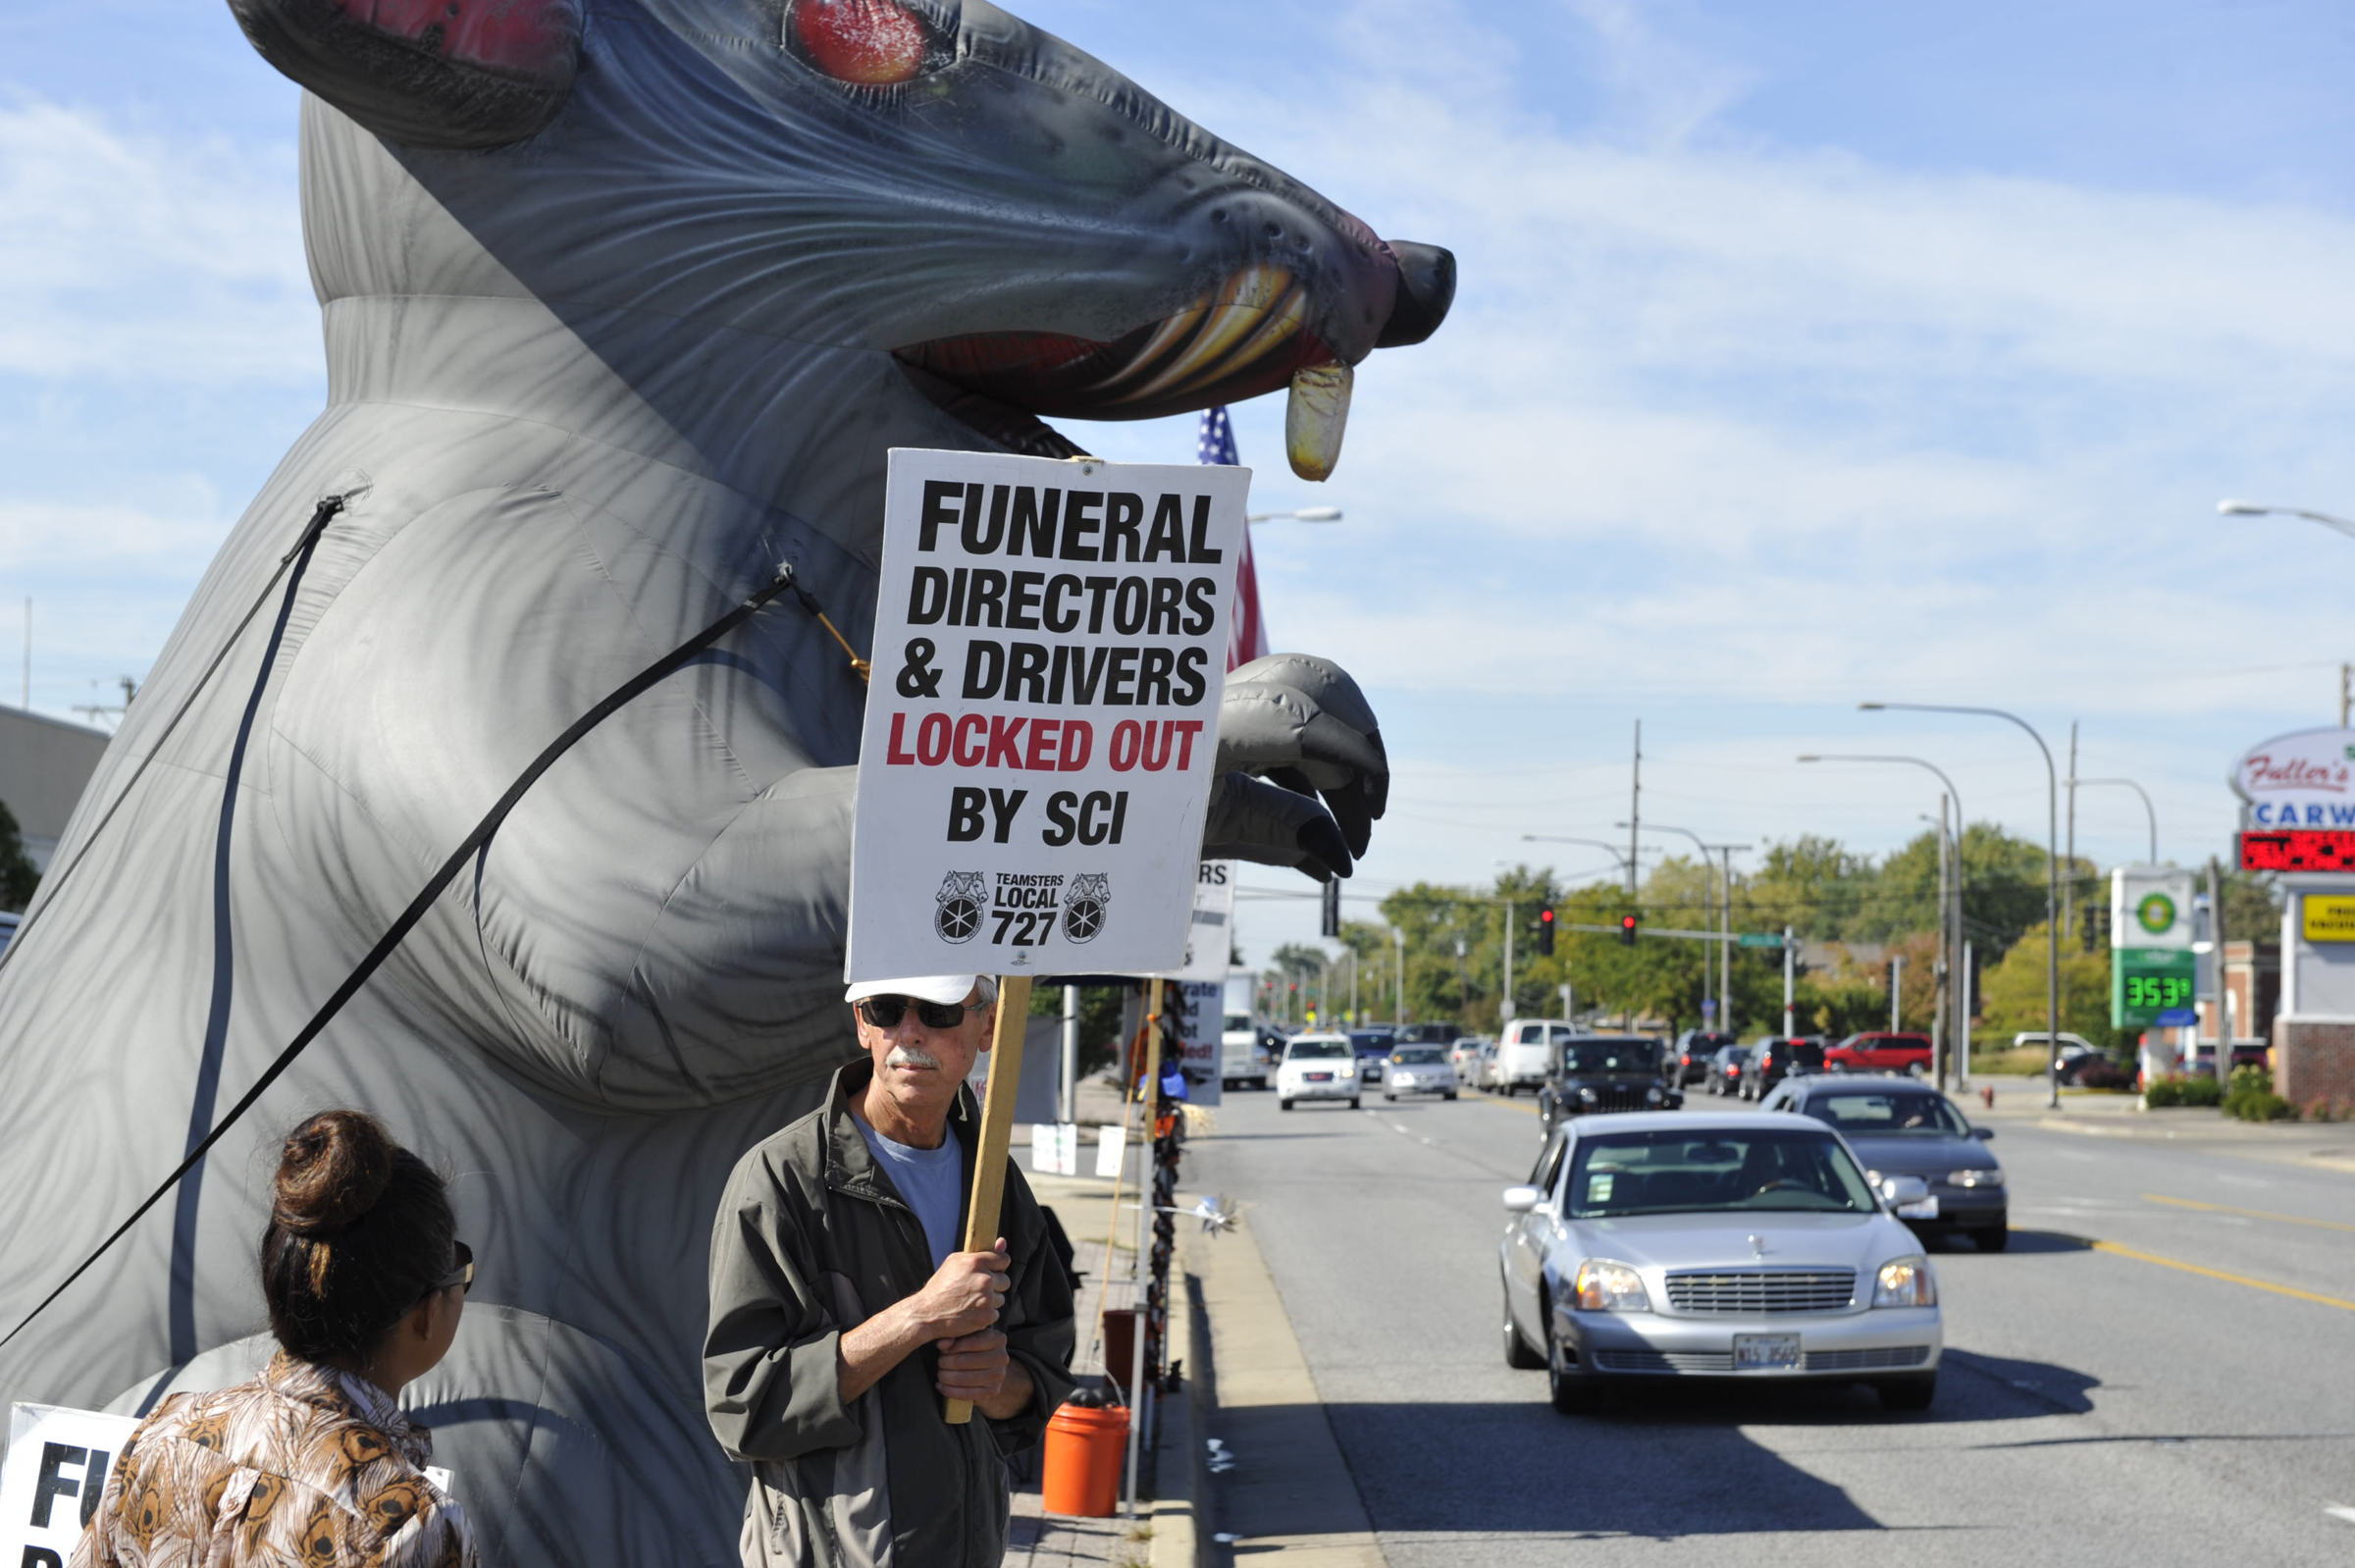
(812, 1239)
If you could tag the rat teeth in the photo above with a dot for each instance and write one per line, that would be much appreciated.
(1316, 418)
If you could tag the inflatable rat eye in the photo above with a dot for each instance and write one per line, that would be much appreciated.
(868, 43)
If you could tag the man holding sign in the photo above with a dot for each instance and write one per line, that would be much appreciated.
(844, 1317)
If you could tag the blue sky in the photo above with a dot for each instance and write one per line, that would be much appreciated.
(1804, 354)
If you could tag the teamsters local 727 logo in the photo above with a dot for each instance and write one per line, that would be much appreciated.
(1023, 908)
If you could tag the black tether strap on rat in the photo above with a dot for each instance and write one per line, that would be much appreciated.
(53, 885)
(662, 668)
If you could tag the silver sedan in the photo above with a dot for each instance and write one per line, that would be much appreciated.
(1418, 1070)
(1650, 1245)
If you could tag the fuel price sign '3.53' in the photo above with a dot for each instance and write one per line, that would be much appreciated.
(1042, 728)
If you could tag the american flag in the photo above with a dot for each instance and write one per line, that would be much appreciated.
(1250, 638)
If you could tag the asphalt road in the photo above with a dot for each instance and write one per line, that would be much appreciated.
(2095, 1406)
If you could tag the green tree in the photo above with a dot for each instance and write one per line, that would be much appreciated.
(18, 878)
(1370, 948)
(2252, 907)
(2014, 990)
(1810, 883)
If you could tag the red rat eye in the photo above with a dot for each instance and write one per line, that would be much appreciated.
(868, 43)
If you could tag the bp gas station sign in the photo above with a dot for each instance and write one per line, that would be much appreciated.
(2153, 969)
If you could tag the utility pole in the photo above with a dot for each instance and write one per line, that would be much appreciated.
(1504, 1006)
(1790, 978)
(1398, 941)
(2346, 690)
(2216, 935)
(1960, 950)
(1067, 1108)
(1897, 978)
(29, 652)
(1353, 987)
(1635, 791)
(1940, 968)
(2068, 889)
(1725, 955)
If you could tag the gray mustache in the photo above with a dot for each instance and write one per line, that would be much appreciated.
(911, 1056)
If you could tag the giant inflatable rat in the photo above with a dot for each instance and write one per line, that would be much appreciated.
(624, 302)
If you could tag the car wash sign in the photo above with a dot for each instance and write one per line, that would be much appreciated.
(1042, 728)
(2301, 780)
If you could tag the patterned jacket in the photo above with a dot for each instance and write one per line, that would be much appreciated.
(303, 1465)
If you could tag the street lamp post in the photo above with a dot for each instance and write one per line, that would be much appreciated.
(2052, 875)
(1305, 514)
(2149, 811)
(1612, 849)
(1955, 960)
(2250, 508)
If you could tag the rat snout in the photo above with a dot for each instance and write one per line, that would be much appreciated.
(1426, 288)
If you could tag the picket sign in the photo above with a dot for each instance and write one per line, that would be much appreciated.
(52, 1478)
(1041, 736)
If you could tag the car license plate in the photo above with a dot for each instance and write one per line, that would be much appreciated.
(1927, 1209)
(1320, 1078)
(1766, 1352)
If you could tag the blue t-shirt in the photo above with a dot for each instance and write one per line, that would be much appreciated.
(930, 1182)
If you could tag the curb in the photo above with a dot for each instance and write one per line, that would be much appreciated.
(1180, 1480)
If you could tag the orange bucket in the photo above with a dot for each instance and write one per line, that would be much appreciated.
(1086, 1445)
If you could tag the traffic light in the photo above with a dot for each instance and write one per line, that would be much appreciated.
(1627, 930)
(1546, 931)
(1332, 910)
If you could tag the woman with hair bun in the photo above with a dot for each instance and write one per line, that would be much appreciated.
(312, 1462)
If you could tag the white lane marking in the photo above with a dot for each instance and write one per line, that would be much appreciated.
(2339, 1511)
(2240, 1180)
(2071, 1154)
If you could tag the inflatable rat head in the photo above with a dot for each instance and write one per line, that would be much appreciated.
(624, 302)
(934, 192)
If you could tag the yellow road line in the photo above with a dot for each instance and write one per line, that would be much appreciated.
(1510, 1105)
(2251, 1214)
(2219, 1274)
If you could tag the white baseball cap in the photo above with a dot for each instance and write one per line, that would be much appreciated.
(941, 988)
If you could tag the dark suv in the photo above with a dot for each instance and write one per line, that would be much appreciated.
(1693, 1048)
(1605, 1073)
(1777, 1058)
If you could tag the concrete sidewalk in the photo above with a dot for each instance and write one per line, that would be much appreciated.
(2093, 1114)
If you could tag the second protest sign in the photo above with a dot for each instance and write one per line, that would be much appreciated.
(1042, 732)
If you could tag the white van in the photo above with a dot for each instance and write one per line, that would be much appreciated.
(1524, 1052)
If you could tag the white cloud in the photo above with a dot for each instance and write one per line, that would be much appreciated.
(126, 255)
(69, 540)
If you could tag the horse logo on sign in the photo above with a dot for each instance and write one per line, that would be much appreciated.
(1084, 905)
(960, 899)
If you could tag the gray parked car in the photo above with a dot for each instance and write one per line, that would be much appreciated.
(1902, 1126)
(1714, 1245)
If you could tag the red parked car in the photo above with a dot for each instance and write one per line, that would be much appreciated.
(1880, 1051)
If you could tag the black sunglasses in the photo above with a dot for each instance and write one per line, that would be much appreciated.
(462, 1275)
(885, 1012)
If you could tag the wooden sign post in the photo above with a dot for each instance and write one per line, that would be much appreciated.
(985, 1212)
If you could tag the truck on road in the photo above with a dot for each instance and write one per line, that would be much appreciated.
(1248, 1046)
